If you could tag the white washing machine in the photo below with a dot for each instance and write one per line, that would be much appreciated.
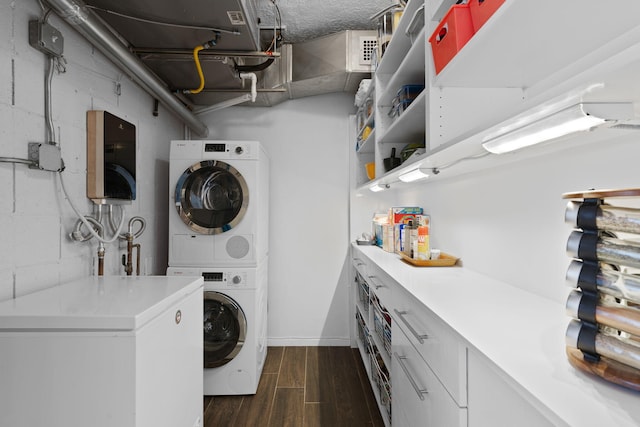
(234, 327)
(219, 209)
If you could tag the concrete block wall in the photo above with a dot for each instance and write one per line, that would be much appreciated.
(35, 217)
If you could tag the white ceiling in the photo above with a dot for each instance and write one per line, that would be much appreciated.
(307, 19)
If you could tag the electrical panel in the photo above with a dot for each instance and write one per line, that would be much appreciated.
(111, 158)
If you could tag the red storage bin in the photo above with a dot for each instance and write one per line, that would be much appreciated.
(481, 11)
(453, 32)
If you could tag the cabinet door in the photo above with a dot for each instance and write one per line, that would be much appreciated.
(493, 402)
(419, 399)
(169, 360)
(435, 341)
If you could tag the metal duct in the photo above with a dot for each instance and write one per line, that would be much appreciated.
(93, 29)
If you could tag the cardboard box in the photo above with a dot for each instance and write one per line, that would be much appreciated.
(387, 238)
(402, 214)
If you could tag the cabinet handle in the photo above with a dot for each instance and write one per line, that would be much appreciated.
(359, 261)
(419, 391)
(415, 333)
(378, 285)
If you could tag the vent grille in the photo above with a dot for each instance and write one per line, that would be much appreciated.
(236, 17)
(367, 46)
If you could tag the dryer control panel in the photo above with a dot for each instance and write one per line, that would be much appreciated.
(229, 278)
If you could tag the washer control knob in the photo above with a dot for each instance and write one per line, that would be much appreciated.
(239, 150)
(236, 279)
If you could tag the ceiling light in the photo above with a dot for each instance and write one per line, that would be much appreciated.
(377, 187)
(580, 117)
(414, 175)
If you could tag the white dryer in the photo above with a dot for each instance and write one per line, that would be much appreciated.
(234, 327)
(219, 210)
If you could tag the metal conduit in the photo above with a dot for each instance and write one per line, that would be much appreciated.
(96, 32)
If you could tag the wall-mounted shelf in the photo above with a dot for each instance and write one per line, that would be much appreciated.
(494, 79)
(524, 42)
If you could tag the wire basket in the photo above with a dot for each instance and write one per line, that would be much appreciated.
(363, 296)
(382, 325)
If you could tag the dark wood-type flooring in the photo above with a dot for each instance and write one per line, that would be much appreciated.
(302, 387)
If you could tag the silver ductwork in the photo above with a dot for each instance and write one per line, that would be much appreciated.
(333, 63)
(97, 33)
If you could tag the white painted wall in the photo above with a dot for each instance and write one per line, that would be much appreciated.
(508, 221)
(308, 142)
(35, 250)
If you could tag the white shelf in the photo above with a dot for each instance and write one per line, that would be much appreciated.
(400, 43)
(524, 42)
(410, 71)
(410, 125)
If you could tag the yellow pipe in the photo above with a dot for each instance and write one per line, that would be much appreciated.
(196, 50)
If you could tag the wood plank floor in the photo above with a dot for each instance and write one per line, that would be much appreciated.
(302, 387)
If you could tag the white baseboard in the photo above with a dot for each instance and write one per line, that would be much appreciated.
(309, 342)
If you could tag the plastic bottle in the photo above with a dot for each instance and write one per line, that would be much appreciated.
(424, 251)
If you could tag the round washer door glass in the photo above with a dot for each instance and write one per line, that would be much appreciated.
(211, 197)
(225, 329)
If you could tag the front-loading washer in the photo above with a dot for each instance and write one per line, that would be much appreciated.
(219, 212)
(234, 327)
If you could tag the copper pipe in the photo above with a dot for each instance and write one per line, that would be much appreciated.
(101, 260)
(137, 247)
(127, 260)
(128, 265)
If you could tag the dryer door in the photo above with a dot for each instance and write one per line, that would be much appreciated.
(211, 197)
(225, 329)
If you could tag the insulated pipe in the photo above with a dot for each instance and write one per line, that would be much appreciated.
(254, 82)
(235, 101)
(76, 14)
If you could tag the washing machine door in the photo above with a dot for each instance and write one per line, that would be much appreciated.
(211, 197)
(225, 329)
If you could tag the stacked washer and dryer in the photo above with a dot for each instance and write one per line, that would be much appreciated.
(218, 229)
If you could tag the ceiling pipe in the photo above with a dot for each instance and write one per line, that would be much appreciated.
(235, 101)
(76, 14)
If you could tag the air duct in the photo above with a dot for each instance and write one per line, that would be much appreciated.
(76, 14)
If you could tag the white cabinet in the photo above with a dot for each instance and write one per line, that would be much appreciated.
(429, 367)
(494, 402)
(419, 397)
(103, 352)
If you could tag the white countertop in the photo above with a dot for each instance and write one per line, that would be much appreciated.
(522, 334)
(97, 303)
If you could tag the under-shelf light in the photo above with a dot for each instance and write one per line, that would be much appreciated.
(577, 118)
(378, 187)
(414, 175)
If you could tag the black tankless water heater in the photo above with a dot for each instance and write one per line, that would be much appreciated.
(111, 158)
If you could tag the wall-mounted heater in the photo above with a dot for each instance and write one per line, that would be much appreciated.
(111, 159)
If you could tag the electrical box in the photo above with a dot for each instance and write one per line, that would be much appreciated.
(46, 38)
(111, 159)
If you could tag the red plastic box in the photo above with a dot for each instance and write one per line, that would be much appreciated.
(481, 11)
(453, 32)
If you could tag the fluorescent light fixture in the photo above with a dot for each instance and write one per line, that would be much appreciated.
(414, 175)
(377, 187)
(577, 118)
